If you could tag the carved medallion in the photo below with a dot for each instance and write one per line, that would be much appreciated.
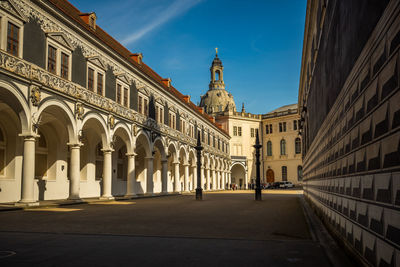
(79, 111)
(134, 130)
(111, 121)
(35, 95)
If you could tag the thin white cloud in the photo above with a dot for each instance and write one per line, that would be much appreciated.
(175, 9)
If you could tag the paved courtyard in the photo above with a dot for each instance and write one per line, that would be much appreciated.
(225, 229)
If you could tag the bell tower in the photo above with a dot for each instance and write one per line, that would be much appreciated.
(217, 73)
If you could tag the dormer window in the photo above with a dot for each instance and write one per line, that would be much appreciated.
(90, 19)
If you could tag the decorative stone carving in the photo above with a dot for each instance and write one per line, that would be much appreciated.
(35, 95)
(111, 121)
(79, 111)
(134, 130)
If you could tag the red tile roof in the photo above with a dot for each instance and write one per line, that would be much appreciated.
(74, 13)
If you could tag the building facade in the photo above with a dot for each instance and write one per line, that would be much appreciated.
(81, 116)
(282, 145)
(278, 132)
(349, 101)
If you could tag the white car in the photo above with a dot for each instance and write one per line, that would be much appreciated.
(286, 184)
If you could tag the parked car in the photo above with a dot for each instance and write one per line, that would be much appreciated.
(275, 185)
(286, 184)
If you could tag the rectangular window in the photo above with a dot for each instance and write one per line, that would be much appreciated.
(170, 120)
(119, 99)
(64, 65)
(140, 108)
(125, 97)
(91, 79)
(252, 132)
(270, 128)
(284, 126)
(295, 125)
(284, 173)
(12, 39)
(280, 127)
(235, 130)
(52, 60)
(146, 107)
(240, 131)
(100, 83)
(157, 112)
(267, 129)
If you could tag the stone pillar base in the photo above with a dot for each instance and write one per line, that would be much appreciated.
(26, 204)
(130, 195)
(75, 199)
(106, 198)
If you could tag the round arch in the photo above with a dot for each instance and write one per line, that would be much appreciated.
(160, 145)
(99, 124)
(122, 130)
(16, 101)
(56, 107)
(238, 173)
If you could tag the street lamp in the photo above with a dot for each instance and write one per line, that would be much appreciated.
(199, 148)
(257, 146)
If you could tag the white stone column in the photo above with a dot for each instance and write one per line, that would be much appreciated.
(107, 174)
(186, 177)
(164, 176)
(130, 175)
(149, 177)
(208, 180)
(245, 181)
(75, 171)
(194, 184)
(28, 172)
(214, 179)
(177, 177)
(203, 177)
(224, 179)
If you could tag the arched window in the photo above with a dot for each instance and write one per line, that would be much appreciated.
(284, 173)
(283, 147)
(299, 173)
(297, 145)
(269, 148)
(2, 153)
(217, 74)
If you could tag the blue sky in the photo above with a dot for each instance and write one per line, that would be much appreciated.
(259, 41)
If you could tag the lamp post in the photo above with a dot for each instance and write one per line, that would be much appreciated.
(257, 146)
(199, 148)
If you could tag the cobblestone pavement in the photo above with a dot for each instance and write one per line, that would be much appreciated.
(225, 229)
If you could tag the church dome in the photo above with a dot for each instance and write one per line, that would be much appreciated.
(217, 100)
